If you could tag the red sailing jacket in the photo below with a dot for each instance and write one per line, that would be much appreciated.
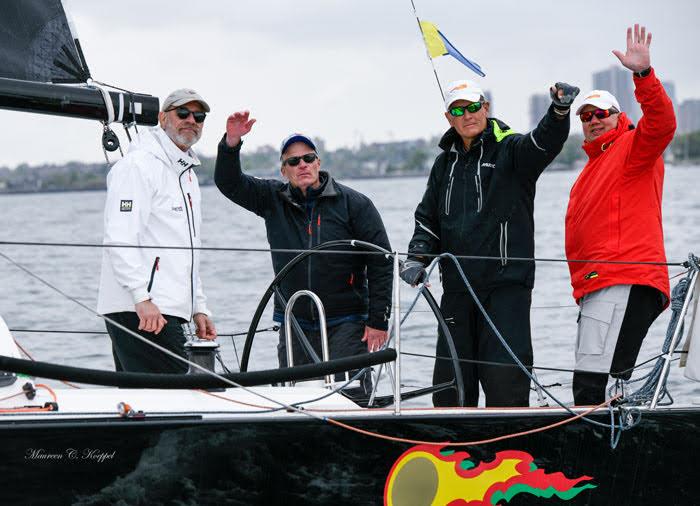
(614, 208)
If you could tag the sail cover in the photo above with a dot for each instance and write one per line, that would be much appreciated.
(36, 43)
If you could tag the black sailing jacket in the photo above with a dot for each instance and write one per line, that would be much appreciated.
(347, 284)
(480, 202)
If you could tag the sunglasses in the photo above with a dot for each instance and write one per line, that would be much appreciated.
(598, 113)
(293, 161)
(184, 113)
(459, 110)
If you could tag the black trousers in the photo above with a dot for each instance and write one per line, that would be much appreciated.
(644, 305)
(344, 340)
(133, 355)
(505, 385)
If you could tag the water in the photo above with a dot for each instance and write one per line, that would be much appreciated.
(234, 281)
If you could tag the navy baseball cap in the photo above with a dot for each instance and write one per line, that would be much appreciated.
(295, 137)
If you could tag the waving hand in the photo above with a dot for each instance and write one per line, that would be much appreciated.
(238, 124)
(636, 58)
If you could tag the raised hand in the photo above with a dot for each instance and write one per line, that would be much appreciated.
(636, 58)
(238, 124)
(563, 95)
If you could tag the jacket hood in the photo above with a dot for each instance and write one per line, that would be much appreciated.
(494, 128)
(156, 142)
(596, 147)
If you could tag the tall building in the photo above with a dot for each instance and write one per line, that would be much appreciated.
(618, 81)
(689, 116)
(539, 103)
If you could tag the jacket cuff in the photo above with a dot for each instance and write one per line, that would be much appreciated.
(140, 294)
(378, 322)
(203, 310)
(228, 149)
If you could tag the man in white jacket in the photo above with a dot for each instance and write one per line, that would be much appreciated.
(153, 200)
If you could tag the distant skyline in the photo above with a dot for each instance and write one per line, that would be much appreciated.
(346, 72)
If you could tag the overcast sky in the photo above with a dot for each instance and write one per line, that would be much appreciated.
(347, 71)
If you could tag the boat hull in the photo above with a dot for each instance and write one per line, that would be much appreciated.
(298, 460)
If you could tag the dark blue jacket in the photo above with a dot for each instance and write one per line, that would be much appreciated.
(347, 284)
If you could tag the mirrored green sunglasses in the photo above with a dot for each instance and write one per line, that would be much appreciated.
(459, 110)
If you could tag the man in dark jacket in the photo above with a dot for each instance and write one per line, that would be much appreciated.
(309, 210)
(480, 202)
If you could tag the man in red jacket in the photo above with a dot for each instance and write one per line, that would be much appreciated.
(614, 214)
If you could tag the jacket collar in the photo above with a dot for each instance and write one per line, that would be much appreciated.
(596, 147)
(292, 195)
(452, 139)
(156, 141)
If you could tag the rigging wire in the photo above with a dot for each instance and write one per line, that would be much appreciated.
(335, 252)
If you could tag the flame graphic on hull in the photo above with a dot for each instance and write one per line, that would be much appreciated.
(429, 475)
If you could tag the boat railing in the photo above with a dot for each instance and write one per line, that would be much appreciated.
(324, 331)
(677, 334)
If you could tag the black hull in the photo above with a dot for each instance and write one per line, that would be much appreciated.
(192, 461)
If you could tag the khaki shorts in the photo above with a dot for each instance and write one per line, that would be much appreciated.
(599, 323)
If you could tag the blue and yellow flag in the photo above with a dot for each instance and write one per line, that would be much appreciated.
(438, 45)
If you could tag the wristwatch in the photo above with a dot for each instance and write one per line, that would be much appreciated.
(643, 73)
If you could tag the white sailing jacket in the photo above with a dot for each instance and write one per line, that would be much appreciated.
(153, 199)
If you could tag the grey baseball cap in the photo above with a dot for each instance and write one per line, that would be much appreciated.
(183, 96)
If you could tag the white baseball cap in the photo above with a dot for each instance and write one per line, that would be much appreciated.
(462, 90)
(599, 98)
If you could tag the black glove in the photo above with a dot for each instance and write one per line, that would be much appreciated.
(413, 272)
(563, 96)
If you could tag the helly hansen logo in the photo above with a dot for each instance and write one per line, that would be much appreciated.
(125, 206)
(183, 163)
(491, 165)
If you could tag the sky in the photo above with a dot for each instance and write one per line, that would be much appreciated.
(350, 71)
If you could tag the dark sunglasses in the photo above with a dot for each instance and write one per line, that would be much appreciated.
(184, 113)
(459, 110)
(293, 161)
(598, 113)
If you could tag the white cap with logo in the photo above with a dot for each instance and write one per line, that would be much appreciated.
(182, 97)
(601, 99)
(462, 90)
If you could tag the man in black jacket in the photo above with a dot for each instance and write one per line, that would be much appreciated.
(309, 210)
(480, 202)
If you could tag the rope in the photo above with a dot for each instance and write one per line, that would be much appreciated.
(536, 367)
(107, 100)
(33, 409)
(498, 334)
(504, 437)
(32, 359)
(336, 252)
(274, 328)
(646, 392)
(310, 414)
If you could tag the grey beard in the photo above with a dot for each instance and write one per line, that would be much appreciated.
(185, 139)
